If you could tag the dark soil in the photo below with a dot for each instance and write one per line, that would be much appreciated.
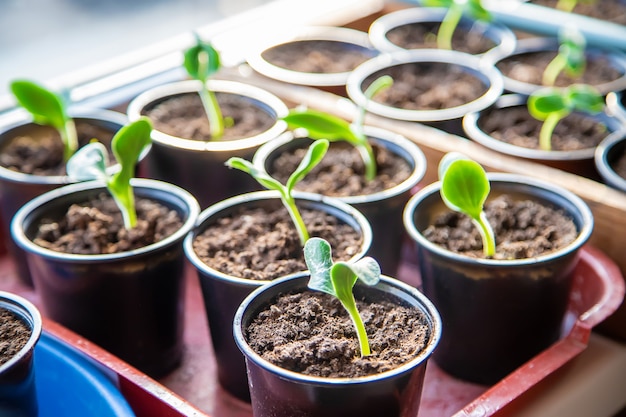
(183, 116)
(529, 68)
(317, 56)
(523, 229)
(610, 10)
(262, 243)
(428, 86)
(620, 166)
(516, 126)
(424, 35)
(311, 333)
(341, 172)
(42, 152)
(96, 227)
(14, 334)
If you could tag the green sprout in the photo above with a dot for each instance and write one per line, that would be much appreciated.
(570, 58)
(568, 5)
(202, 61)
(321, 125)
(550, 105)
(314, 155)
(89, 163)
(338, 279)
(456, 10)
(47, 108)
(465, 188)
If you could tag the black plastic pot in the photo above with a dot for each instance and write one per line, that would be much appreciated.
(607, 154)
(130, 303)
(447, 119)
(198, 166)
(503, 38)
(579, 161)
(222, 293)
(535, 45)
(18, 396)
(278, 392)
(384, 209)
(17, 188)
(497, 314)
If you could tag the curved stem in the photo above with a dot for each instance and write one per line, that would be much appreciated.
(448, 26)
(69, 138)
(369, 160)
(296, 217)
(545, 135)
(486, 232)
(553, 70)
(350, 306)
(212, 109)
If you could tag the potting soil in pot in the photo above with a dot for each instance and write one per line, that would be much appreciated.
(96, 227)
(42, 153)
(342, 173)
(262, 244)
(424, 35)
(14, 334)
(183, 116)
(310, 333)
(523, 229)
(516, 126)
(317, 56)
(428, 86)
(620, 165)
(529, 68)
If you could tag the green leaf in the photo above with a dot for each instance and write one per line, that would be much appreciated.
(475, 9)
(319, 261)
(586, 98)
(546, 101)
(315, 153)
(320, 125)
(46, 107)
(258, 174)
(201, 60)
(343, 279)
(367, 270)
(88, 163)
(465, 186)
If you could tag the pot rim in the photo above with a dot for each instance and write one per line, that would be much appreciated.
(541, 44)
(141, 185)
(158, 93)
(473, 64)
(470, 126)
(309, 33)
(27, 312)
(98, 115)
(380, 135)
(227, 204)
(385, 283)
(601, 159)
(503, 37)
(522, 181)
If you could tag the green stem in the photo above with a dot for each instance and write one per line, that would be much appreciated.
(350, 305)
(545, 135)
(212, 109)
(369, 160)
(448, 26)
(294, 213)
(486, 232)
(553, 70)
(566, 5)
(69, 138)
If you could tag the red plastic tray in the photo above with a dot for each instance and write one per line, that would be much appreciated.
(192, 389)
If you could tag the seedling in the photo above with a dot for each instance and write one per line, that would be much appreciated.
(314, 155)
(465, 188)
(202, 61)
(338, 279)
(49, 109)
(89, 163)
(550, 105)
(321, 125)
(568, 5)
(570, 58)
(456, 10)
